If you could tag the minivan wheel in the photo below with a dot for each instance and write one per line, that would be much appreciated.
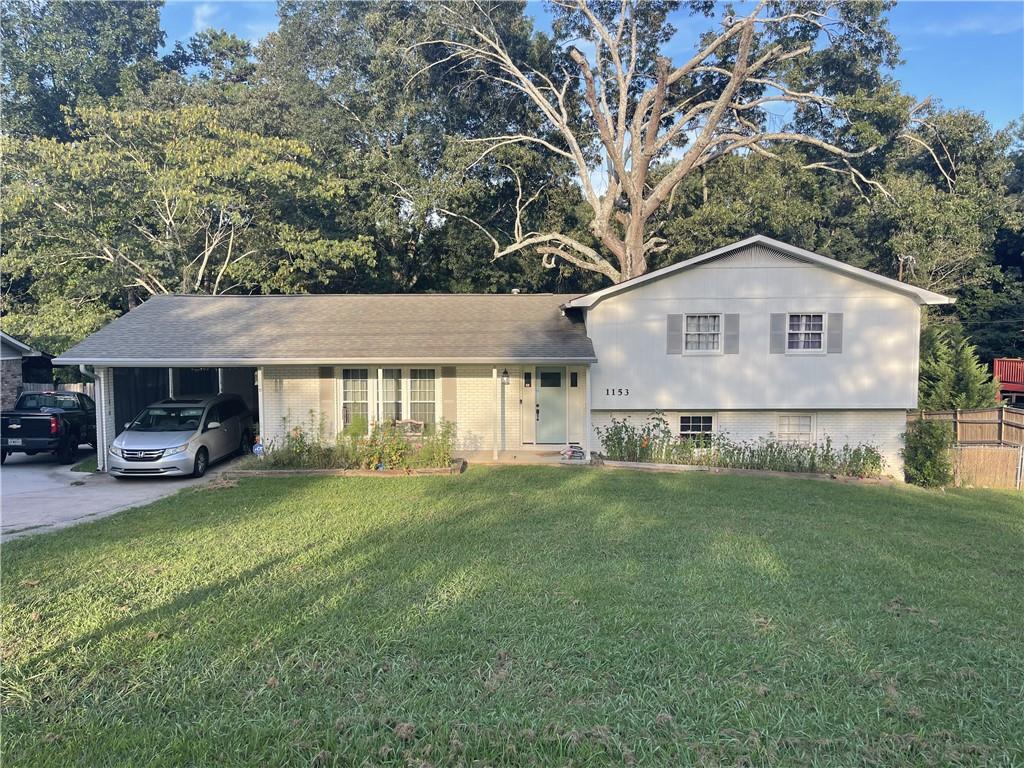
(202, 463)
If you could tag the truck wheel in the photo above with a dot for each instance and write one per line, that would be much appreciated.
(66, 451)
(202, 462)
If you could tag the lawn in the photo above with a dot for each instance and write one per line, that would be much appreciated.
(522, 615)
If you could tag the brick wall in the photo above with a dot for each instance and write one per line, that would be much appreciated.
(882, 428)
(291, 398)
(10, 382)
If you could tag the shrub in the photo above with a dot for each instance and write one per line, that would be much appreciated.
(385, 448)
(653, 441)
(926, 453)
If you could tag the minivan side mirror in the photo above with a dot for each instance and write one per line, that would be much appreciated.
(127, 425)
(213, 425)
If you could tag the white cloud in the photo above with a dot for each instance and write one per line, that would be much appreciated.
(985, 24)
(202, 16)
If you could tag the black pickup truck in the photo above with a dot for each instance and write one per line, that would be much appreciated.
(51, 422)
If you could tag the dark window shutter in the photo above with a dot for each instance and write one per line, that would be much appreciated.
(834, 344)
(731, 343)
(777, 342)
(674, 333)
(449, 403)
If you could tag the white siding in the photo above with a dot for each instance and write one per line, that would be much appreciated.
(291, 398)
(881, 428)
(877, 368)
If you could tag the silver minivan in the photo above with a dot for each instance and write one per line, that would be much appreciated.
(182, 437)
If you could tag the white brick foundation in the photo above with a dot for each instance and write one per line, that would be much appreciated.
(881, 428)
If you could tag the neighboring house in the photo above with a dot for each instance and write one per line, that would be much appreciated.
(1010, 373)
(20, 365)
(757, 339)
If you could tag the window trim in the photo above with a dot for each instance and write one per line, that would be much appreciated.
(681, 435)
(343, 401)
(720, 333)
(434, 379)
(812, 435)
(824, 334)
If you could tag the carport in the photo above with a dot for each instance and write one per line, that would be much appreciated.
(123, 391)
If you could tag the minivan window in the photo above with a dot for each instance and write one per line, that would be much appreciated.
(164, 419)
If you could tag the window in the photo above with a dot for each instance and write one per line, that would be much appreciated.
(796, 428)
(696, 427)
(214, 414)
(574, 379)
(527, 379)
(703, 333)
(421, 395)
(551, 379)
(391, 394)
(805, 332)
(354, 396)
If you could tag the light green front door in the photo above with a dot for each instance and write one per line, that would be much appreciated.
(551, 394)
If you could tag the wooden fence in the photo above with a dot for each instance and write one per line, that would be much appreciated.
(989, 451)
(981, 426)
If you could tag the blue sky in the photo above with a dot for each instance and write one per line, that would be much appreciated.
(967, 54)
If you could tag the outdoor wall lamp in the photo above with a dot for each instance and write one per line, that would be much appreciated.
(504, 376)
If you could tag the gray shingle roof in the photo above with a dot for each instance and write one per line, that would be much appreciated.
(251, 330)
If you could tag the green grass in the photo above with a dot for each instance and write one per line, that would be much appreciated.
(88, 464)
(522, 615)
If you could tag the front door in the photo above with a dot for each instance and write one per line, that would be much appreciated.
(550, 405)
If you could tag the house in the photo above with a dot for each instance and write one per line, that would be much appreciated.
(1009, 372)
(756, 339)
(21, 365)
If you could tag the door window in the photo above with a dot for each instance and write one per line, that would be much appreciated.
(551, 379)
(212, 415)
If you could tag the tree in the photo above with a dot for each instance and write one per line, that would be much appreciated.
(56, 55)
(951, 374)
(147, 202)
(653, 123)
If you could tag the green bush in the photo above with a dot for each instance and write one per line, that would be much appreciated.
(926, 453)
(386, 447)
(652, 441)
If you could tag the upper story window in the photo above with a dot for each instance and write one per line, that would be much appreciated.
(805, 333)
(703, 333)
(796, 428)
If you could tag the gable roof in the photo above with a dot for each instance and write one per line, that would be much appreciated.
(185, 330)
(18, 345)
(920, 294)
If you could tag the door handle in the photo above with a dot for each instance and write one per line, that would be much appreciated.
(537, 408)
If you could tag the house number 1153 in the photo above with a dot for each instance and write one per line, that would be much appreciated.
(619, 392)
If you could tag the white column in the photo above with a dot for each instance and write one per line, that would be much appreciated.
(220, 381)
(260, 406)
(497, 411)
(106, 429)
(587, 419)
(170, 383)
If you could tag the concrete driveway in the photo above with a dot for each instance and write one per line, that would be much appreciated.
(38, 495)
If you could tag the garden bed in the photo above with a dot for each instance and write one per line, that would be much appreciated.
(652, 467)
(457, 467)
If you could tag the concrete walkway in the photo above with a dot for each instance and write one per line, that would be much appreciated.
(38, 495)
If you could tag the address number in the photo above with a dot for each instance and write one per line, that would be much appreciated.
(617, 392)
